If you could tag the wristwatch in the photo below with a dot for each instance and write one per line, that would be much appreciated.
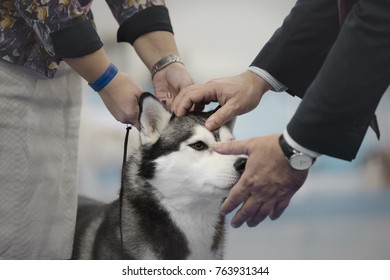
(297, 160)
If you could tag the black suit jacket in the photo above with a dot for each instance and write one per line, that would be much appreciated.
(341, 73)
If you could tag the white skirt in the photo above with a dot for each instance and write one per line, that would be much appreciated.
(39, 126)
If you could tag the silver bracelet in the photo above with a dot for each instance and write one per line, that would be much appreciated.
(164, 62)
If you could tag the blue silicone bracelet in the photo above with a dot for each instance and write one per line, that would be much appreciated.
(104, 79)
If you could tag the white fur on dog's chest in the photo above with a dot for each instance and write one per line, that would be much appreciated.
(199, 227)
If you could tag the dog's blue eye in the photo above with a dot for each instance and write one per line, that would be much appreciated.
(199, 146)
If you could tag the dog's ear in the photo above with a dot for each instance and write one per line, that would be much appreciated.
(153, 118)
(230, 124)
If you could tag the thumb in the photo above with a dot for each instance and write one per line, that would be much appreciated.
(220, 117)
(231, 147)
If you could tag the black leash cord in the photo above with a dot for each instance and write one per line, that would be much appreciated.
(122, 186)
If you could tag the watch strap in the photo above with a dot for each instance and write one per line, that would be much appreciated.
(288, 151)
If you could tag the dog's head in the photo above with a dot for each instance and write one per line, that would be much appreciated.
(177, 154)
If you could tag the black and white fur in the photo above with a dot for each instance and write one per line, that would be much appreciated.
(174, 186)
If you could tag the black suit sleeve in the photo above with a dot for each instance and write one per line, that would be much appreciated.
(296, 51)
(338, 106)
(340, 75)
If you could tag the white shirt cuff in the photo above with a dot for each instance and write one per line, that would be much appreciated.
(275, 84)
(298, 147)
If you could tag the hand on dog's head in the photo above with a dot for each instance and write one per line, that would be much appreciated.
(154, 117)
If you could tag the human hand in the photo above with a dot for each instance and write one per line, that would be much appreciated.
(169, 81)
(236, 95)
(267, 184)
(121, 97)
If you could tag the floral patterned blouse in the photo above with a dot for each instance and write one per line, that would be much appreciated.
(26, 27)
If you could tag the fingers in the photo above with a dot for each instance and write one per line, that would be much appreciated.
(192, 96)
(195, 97)
(259, 216)
(127, 114)
(246, 212)
(184, 101)
(267, 184)
(133, 119)
(238, 147)
(274, 212)
(220, 117)
(279, 209)
(243, 191)
(256, 203)
(237, 195)
(253, 211)
(167, 99)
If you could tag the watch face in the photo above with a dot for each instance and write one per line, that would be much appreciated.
(300, 161)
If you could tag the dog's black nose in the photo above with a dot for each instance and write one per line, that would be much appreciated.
(239, 165)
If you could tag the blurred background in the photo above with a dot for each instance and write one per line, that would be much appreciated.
(343, 209)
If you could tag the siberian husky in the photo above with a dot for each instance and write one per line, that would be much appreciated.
(174, 185)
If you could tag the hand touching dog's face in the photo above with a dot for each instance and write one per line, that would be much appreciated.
(180, 153)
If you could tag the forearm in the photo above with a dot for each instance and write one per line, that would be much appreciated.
(298, 48)
(340, 103)
(118, 91)
(257, 82)
(153, 46)
(90, 66)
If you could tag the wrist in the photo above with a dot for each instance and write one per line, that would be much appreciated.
(153, 46)
(292, 143)
(104, 79)
(275, 85)
(298, 160)
(165, 62)
(122, 82)
(259, 85)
